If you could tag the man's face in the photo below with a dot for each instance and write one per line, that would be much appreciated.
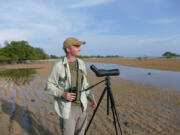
(74, 50)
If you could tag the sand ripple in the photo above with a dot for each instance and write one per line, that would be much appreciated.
(143, 109)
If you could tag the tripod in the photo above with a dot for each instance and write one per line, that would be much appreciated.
(110, 99)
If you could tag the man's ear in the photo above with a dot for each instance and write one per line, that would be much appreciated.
(67, 50)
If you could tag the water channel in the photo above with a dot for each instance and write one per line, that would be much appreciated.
(158, 78)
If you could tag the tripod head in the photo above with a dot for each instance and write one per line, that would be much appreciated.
(103, 72)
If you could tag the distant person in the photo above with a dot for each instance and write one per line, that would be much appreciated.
(66, 83)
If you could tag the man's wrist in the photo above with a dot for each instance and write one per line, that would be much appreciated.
(63, 95)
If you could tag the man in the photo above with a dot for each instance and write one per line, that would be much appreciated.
(66, 83)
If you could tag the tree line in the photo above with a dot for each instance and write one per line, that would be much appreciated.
(19, 51)
(99, 56)
(170, 54)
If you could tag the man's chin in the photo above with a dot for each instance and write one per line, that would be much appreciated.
(77, 55)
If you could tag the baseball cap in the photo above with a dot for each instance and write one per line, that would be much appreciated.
(72, 41)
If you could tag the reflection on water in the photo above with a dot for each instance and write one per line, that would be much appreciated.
(159, 78)
(18, 76)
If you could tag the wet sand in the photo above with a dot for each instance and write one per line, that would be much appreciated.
(143, 109)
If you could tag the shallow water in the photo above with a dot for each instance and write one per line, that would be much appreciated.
(18, 76)
(30, 110)
(159, 78)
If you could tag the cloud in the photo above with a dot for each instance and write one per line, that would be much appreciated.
(108, 29)
(129, 45)
(38, 21)
(163, 21)
(88, 3)
(14, 34)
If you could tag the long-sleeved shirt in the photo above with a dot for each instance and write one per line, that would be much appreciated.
(59, 81)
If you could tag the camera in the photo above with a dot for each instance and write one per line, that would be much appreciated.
(73, 90)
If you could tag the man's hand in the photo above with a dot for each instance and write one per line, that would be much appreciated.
(93, 104)
(68, 96)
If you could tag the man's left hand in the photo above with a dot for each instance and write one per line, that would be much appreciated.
(93, 104)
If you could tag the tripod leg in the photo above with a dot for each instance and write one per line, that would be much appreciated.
(117, 116)
(114, 118)
(114, 110)
(108, 104)
(102, 95)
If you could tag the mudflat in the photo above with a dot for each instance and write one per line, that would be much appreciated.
(26, 109)
(172, 64)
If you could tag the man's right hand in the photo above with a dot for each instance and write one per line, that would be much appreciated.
(68, 96)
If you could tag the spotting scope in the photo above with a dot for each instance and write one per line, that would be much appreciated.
(104, 72)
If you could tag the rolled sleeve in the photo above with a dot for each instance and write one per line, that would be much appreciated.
(90, 96)
(52, 86)
(53, 90)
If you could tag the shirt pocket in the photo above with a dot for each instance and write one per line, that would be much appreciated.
(62, 82)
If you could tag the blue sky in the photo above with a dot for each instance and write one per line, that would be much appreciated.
(129, 28)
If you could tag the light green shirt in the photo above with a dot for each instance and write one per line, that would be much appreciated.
(59, 81)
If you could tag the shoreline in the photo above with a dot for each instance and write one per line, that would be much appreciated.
(169, 64)
(151, 63)
(143, 109)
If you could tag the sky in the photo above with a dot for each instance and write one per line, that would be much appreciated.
(128, 28)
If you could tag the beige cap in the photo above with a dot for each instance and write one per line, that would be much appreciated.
(72, 41)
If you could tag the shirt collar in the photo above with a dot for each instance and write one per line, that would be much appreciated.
(65, 62)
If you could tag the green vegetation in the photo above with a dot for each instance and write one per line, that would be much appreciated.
(170, 55)
(18, 76)
(17, 73)
(53, 57)
(18, 51)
